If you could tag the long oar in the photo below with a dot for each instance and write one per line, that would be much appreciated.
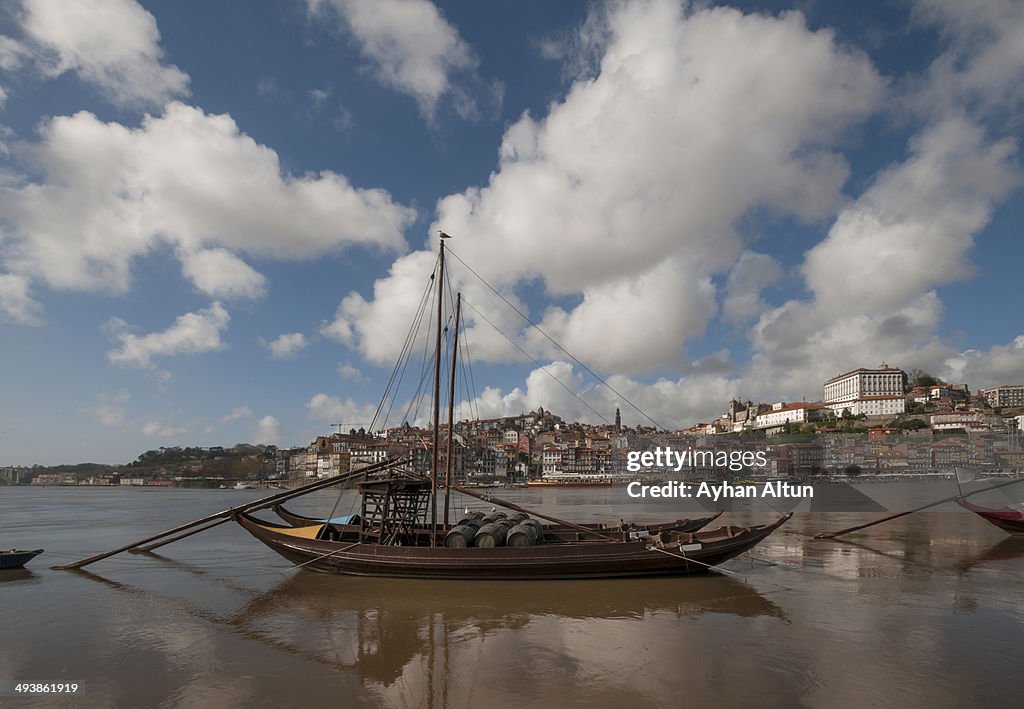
(228, 513)
(833, 535)
(179, 537)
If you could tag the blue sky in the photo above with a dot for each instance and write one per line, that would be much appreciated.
(216, 218)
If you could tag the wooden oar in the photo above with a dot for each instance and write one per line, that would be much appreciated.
(943, 501)
(224, 515)
(178, 537)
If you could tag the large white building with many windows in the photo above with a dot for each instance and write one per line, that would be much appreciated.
(1004, 396)
(872, 392)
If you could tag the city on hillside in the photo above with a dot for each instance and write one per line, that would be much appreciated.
(870, 422)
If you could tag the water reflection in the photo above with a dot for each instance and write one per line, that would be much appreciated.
(17, 575)
(1006, 550)
(417, 641)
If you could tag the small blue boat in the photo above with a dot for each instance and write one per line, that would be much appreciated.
(16, 558)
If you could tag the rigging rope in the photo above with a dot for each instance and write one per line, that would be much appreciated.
(542, 367)
(555, 343)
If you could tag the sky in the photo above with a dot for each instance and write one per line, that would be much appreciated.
(216, 219)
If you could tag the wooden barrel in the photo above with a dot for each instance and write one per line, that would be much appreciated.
(474, 517)
(460, 536)
(538, 527)
(519, 517)
(490, 535)
(522, 535)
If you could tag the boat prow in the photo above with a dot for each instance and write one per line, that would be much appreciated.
(1007, 519)
(17, 558)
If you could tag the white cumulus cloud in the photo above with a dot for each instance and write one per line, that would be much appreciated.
(414, 50)
(268, 431)
(629, 191)
(16, 305)
(286, 346)
(220, 274)
(109, 193)
(112, 44)
(191, 333)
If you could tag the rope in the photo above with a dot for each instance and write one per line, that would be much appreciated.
(686, 558)
(543, 368)
(324, 556)
(552, 341)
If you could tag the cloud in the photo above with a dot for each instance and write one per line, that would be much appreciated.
(413, 50)
(242, 412)
(109, 193)
(350, 372)
(873, 278)
(751, 274)
(12, 53)
(913, 228)
(110, 409)
(112, 44)
(1001, 364)
(268, 431)
(16, 305)
(671, 403)
(318, 96)
(629, 192)
(220, 274)
(330, 409)
(983, 67)
(191, 333)
(160, 430)
(286, 346)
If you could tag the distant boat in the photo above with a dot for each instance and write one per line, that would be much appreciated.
(244, 486)
(1006, 518)
(16, 558)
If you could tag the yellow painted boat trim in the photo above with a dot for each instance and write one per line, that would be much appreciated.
(310, 532)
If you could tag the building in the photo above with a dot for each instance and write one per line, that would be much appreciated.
(1008, 395)
(782, 414)
(966, 420)
(872, 392)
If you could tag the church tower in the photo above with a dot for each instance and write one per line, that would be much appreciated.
(618, 420)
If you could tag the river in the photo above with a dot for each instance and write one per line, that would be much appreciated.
(925, 610)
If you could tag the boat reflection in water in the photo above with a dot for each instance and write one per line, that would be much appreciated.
(441, 643)
(448, 637)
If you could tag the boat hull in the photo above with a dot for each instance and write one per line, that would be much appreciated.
(16, 558)
(680, 554)
(1008, 520)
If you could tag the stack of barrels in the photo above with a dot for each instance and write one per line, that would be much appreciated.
(496, 529)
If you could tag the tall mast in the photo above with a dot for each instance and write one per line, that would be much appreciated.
(437, 399)
(451, 411)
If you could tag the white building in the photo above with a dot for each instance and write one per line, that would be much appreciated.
(1003, 396)
(781, 414)
(872, 392)
(967, 420)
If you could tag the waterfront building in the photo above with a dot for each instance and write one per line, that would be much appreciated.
(1008, 395)
(872, 392)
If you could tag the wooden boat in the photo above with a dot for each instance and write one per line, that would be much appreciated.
(1007, 518)
(400, 533)
(664, 554)
(16, 558)
(343, 529)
